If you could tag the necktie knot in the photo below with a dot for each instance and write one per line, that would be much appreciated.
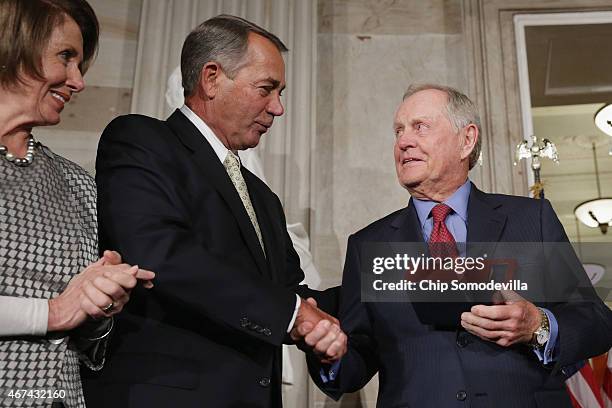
(231, 162)
(440, 212)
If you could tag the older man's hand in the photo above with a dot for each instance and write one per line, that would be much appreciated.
(511, 322)
(318, 332)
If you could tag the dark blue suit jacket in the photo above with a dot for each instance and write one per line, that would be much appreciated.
(421, 366)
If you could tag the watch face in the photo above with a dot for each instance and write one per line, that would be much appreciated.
(543, 337)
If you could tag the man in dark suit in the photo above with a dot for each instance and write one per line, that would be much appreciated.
(174, 198)
(509, 354)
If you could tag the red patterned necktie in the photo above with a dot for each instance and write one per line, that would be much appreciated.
(441, 242)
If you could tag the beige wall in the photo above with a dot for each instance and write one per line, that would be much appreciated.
(368, 54)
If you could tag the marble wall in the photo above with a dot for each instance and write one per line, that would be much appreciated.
(369, 51)
(108, 82)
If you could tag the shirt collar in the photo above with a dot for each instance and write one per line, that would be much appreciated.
(220, 150)
(458, 201)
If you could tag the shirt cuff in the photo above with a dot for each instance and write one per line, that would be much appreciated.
(298, 303)
(549, 354)
(23, 316)
(329, 374)
(40, 317)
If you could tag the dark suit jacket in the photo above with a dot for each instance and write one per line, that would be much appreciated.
(209, 333)
(421, 366)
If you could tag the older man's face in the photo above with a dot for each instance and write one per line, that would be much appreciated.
(247, 104)
(427, 147)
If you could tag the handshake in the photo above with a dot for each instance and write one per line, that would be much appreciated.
(318, 332)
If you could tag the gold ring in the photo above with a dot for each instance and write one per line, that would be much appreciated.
(109, 307)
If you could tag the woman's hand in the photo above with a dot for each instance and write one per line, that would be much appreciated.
(101, 290)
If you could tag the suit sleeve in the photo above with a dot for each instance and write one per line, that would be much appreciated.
(584, 321)
(140, 214)
(327, 300)
(360, 363)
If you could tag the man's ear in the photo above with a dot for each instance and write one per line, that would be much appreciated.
(470, 137)
(209, 79)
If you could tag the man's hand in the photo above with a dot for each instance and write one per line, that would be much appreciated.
(318, 332)
(511, 322)
(309, 312)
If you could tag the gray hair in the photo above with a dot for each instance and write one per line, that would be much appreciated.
(222, 39)
(460, 110)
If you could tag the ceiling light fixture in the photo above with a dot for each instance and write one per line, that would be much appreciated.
(596, 212)
(603, 120)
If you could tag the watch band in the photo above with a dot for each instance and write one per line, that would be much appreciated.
(544, 328)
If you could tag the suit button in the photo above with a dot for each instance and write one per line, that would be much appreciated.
(244, 322)
(267, 332)
(461, 395)
(264, 382)
(462, 340)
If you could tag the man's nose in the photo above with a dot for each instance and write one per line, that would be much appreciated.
(275, 106)
(405, 140)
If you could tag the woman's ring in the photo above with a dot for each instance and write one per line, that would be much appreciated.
(109, 307)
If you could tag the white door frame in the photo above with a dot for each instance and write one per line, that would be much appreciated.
(543, 19)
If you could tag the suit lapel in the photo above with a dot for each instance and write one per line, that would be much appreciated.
(208, 162)
(485, 224)
(406, 227)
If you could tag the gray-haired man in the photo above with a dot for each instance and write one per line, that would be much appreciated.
(508, 355)
(173, 197)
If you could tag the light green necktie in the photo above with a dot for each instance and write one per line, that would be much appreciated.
(232, 166)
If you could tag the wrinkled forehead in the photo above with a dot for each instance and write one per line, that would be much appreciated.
(429, 103)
